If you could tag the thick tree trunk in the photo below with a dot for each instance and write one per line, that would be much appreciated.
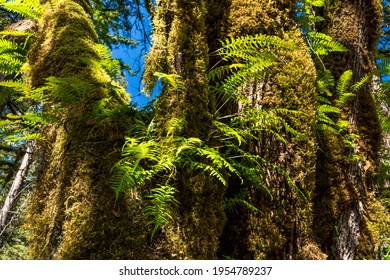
(16, 189)
(349, 193)
(73, 213)
(283, 228)
(180, 47)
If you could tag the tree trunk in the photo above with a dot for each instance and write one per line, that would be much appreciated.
(73, 213)
(349, 193)
(180, 47)
(16, 189)
(282, 230)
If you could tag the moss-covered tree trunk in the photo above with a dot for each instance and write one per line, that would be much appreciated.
(347, 216)
(180, 47)
(282, 230)
(73, 214)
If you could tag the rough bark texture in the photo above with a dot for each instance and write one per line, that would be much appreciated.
(73, 214)
(16, 189)
(345, 187)
(180, 47)
(283, 228)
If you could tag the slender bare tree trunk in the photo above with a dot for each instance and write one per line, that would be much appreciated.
(16, 189)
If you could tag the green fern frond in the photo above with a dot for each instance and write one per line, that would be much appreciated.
(7, 46)
(240, 199)
(187, 144)
(253, 174)
(159, 206)
(26, 8)
(10, 63)
(15, 33)
(217, 164)
(229, 131)
(366, 79)
(221, 72)
(174, 80)
(325, 83)
(344, 83)
(323, 44)
(138, 151)
(111, 65)
(235, 46)
(17, 85)
(328, 109)
(174, 126)
(123, 178)
(67, 89)
(316, 3)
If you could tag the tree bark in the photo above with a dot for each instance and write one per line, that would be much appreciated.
(180, 47)
(73, 213)
(16, 188)
(283, 228)
(345, 195)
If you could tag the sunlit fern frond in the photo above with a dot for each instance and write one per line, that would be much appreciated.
(32, 9)
(159, 206)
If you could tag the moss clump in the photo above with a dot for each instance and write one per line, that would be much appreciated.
(375, 236)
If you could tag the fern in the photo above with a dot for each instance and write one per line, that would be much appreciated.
(248, 58)
(234, 47)
(174, 80)
(159, 205)
(306, 11)
(330, 112)
(322, 44)
(228, 131)
(10, 64)
(240, 199)
(26, 8)
(151, 157)
(112, 66)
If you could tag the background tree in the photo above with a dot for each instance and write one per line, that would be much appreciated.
(281, 229)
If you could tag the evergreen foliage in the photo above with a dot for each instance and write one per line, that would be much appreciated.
(26, 8)
(158, 206)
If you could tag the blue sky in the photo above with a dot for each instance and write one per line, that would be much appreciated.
(135, 58)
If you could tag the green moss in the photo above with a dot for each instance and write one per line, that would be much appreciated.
(357, 28)
(73, 213)
(283, 229)
(180, 47)
(375, 230)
